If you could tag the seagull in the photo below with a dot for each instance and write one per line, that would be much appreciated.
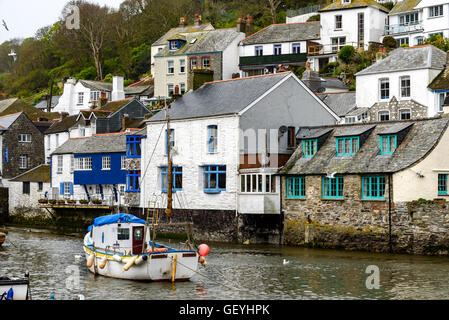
(4, 24)
(285, 262)
(13, 54)
(332, 175)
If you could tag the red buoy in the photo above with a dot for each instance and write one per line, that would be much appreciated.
(203, 250)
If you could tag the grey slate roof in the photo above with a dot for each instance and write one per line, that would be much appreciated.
(43, 104)
(341, 103)
(101, 143)
(181, 30)
(404, 6)
(417, 143)
(312, 133)
(421, 57)
(4, 104)
(221, 97)
(206, 41)
(7, 121)
(286, 32)
(97, 85)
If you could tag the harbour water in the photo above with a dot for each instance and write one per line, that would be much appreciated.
(233, 272)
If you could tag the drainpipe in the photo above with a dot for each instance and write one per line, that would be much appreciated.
(389, 213)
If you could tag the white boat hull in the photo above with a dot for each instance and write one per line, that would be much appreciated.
(19, 287)
(157, 267)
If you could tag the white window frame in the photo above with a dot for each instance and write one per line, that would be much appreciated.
(83, 164)
(67, 188)
(106, 163)
(267, 180)
(25, 137)
(338, 22)
(23, 162)
(381, 81)
(182, 88)
(172, 90)
(80, 98)
(170, 69)
(383, 112)
(60, 164)
(182, 66)
(401, 87)
(436, 11)
(123, 163)
(403, 111)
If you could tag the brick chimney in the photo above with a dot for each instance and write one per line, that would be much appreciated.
(197, 20)
(182, 22)
(241, 24)
(249, 25)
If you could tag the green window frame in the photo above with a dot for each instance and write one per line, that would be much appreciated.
(388, 144)
(373, 187)
(296, 188)
(347, 146)
(309, 147)
(442, 184)
(332, 188)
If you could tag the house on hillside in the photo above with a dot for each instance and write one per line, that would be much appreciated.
(210, 54)
(357, 187)
(28, 188)
(226, 149)
(114, 116)
(22, 146)
(395, 88)
(347, 22)
(412, 21)
(90, 168)
(87, 94)
(277, 46)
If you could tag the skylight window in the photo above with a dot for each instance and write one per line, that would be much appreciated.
(193, 41)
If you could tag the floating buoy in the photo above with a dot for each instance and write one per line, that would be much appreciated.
(139, 260)
(117, 258)
(203, 250)
(103, 262)
(130, 263)
(90, 260)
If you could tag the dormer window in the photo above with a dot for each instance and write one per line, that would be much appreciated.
(344, 2)
(309, 147)
(347, 146)
(175, 44)
(388, 144)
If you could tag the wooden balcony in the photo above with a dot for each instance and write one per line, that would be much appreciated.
(395, 29)
(319, 49)
(273, 59)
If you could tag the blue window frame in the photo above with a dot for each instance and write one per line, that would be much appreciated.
(214, 179)
(442, 184)
(332, 188)
(133, 181)
(373, 187)
(171, 139)
(347, 146)
(309, 147)
(6, 155)
(296, 188)
(177, 179)
(388, 144)
(212, 142)
(133, 147)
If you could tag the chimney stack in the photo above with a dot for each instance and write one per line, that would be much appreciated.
(197, 20)
(125, 119)
(182, 22)
(249, 25)
(118, 92)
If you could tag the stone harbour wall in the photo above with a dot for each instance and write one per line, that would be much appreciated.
(417, 227)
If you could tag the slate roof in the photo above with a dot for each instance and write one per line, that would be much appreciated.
(404, 6)
(99, 143)
(221, 97)
(337, 5)
(286, 32)
(43, 104)
(97, 85)
(113, 106)
(441, 81)
(62, 125)
(6, 103)
(419, 57)
(417, 143)
(206, 41)
(41, 173)
(7, 121)
(341, 102)
(180, 30)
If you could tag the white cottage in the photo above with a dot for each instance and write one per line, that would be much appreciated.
(228, 139)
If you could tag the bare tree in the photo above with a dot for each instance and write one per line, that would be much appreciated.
(274, 4)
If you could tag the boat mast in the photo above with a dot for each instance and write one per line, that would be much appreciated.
(169, 209)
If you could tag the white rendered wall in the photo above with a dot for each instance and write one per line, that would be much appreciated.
(51, 139)
(18, 200)
(231, 59)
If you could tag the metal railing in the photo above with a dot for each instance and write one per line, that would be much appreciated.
(81, 199)
(328, 48)
(403, 28)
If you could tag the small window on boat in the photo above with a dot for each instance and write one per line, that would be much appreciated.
(123, 234)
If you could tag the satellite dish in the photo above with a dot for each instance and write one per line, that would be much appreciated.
(283, 130)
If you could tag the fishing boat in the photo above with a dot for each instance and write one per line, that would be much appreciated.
(119, 246)
(15, 288)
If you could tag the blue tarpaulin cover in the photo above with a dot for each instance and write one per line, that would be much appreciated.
(115, 218)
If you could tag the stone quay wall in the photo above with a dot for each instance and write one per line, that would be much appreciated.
(417, 227)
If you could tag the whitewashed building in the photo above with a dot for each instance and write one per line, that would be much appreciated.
(396, 87)
(228, 140)
(412, 21)
(347, 22)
